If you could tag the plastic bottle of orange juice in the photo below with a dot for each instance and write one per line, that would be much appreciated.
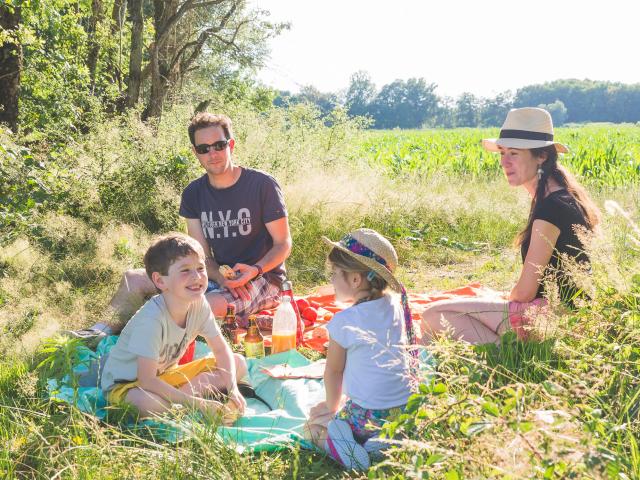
(283, 333)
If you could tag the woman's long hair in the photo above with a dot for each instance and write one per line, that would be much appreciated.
(551, 169)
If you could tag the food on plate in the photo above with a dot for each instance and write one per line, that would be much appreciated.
(320, 332)
(327, 316)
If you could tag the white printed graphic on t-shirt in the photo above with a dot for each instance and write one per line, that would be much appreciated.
(226, 225)
(172, 353)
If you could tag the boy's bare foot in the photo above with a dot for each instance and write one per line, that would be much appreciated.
(90, 336)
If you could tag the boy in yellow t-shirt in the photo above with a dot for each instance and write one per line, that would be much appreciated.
(142, 367)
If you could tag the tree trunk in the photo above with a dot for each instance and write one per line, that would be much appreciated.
(162, 12)
(173, 52)
(10, 68)
(114, 64)
(118, 15)
(94, 43)
(158, 87)
(135, 57)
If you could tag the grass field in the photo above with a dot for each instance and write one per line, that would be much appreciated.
(563, 407)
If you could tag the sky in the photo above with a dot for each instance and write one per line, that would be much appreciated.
(478, 46)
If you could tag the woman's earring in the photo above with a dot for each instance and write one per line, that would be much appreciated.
(540, 172)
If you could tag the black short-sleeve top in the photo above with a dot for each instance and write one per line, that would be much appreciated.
(561, 209)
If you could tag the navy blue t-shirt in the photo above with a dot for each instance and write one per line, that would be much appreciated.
(233, 219)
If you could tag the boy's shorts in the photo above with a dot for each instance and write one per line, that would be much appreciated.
(264, 295)
(176, 377)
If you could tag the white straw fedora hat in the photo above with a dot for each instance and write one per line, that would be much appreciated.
(527, 127)
(373, 250)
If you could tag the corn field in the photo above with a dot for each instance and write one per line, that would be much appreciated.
(600, 154)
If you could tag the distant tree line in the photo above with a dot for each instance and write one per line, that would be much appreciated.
(413, 103)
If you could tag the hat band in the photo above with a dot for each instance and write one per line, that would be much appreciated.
(526, 135)
(358, 248)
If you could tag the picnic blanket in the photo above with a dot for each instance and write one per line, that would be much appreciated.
(261, 428)
(325, 298)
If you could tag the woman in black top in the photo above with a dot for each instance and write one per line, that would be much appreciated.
(560, 206)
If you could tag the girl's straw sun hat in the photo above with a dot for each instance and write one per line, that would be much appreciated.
(376, 252)
(525, 128)
(373, 250)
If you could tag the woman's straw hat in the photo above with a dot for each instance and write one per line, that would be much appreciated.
(373, 250)
(525, 128)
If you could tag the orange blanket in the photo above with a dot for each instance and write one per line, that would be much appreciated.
(316, 338)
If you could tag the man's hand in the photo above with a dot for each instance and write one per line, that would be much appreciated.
(239, 287)
(237, 400)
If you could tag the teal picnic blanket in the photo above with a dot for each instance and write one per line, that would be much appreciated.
(261, 428)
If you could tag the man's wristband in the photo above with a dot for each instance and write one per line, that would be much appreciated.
(260, 271)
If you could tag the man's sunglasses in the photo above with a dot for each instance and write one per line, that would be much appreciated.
(217, 146)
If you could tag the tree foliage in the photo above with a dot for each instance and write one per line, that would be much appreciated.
(404, 104)
(360, 94)
(586, 100)
(467, 110)
(557, 110)
(84, 59)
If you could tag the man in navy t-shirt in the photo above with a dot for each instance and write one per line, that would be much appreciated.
(239, 217)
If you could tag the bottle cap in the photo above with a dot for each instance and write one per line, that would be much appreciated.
(286, 285)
